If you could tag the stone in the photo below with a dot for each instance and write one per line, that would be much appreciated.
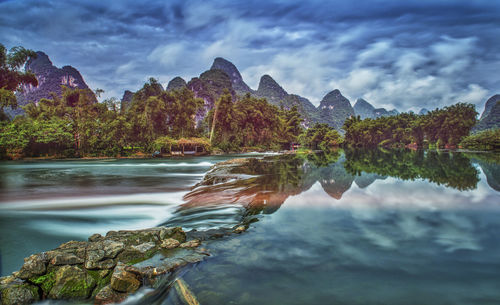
(33, 266)
(108, 295)
(240, 229)
(72, 244)
(105, 264)
(170, 243)
(66, 259)
(190, 244)
(145, 247)
(17, 294)
(112, 248)
(71, 282)
(101, 254)
(124, 281)
(175, 233)
(95, 237)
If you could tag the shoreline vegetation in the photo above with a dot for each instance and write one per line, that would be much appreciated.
(176, 122)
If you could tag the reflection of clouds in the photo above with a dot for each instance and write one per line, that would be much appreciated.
(391, 213)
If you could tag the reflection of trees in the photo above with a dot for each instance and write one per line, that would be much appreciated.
(258, 186)
(490, 164)
(443, 168)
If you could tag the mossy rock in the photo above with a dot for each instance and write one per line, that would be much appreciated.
(46, 281)
(102, 279)
(72, 282)
(18, 294)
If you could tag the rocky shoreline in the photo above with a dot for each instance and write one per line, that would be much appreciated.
(104, 269)
(107, 269)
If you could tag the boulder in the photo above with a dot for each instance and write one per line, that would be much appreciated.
(124, 281)
(108, 295)
(170, 243)
(145, 247)
(175, 233)
(66, 259)
(19, 293)
(71, 282)
(34, 265)
(101, 254)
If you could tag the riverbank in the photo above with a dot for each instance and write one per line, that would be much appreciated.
(106, 269)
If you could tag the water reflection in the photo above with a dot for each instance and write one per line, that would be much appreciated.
(451, 169)
(364, 227)
(262, 185)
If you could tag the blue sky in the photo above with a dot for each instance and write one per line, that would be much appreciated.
(403, 54)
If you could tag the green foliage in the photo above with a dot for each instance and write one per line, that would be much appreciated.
(484, 140)
(445, 126)
(321, 136)
(251, 122)
(11, 78)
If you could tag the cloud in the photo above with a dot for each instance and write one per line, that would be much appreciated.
(409, 54)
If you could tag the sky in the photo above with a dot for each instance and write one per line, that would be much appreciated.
(407, 55)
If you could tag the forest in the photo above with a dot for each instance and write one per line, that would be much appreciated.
(444, 127)
(158, 121)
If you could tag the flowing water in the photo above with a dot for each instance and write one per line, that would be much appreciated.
(360, 227)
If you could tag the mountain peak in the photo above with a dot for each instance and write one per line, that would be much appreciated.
(489, 104)
(334, 97)
(335, 108)
(364, 109)
(230, 69)
(176, 83)
(271, 90)
(361, 103)
(35, 64)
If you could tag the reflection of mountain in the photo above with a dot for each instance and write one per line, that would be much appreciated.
(261, 186)
(364, 180)
(335, 180)
(492, 172)
(490, 164)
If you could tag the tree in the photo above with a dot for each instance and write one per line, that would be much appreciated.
(11, 77)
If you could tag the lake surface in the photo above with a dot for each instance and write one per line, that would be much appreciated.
(353, 227)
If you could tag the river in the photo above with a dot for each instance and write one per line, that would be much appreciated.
(353, 227)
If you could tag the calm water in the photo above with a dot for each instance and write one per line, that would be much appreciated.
(360, 227)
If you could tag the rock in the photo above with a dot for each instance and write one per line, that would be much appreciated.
(105, 264)
(109, 296)
(73, 245)
(124, 281)
(240, 229)
(66, 259)
(170, 243)
(21, 293)
(95, 237)
(33, 266)
(100, 254)
(175, 233)
(145, 247)
(190, 244)
(71, 282)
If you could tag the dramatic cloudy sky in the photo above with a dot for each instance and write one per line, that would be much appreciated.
(403, 54)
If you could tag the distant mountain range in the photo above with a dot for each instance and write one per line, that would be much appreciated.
(50, 78)
(333, 109)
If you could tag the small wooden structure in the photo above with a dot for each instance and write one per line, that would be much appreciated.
(190, 146)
